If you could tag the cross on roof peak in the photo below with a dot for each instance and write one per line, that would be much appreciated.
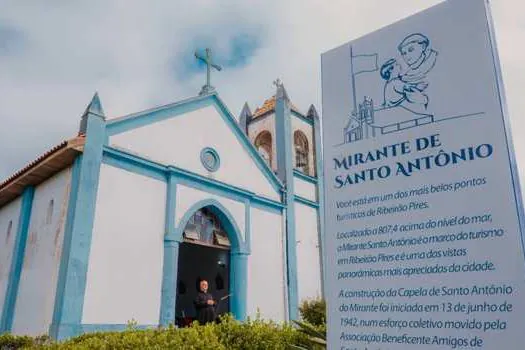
(207, 59)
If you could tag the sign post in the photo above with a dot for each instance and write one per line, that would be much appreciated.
(423, 214)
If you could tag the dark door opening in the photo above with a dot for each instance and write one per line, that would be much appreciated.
(204, 254)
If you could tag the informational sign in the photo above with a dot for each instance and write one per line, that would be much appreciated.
(423, 215)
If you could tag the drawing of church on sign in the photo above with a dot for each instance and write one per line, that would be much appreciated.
(405, 100)
(361, 124)
(400, 88)
(122, 221)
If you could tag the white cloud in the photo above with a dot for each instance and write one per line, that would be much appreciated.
(125, 50)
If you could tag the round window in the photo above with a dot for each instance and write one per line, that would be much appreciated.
(210, 159)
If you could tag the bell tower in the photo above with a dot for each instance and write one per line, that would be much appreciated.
(264, 126)
(289, 141)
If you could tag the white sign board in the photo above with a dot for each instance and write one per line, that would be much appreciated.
(423, 212)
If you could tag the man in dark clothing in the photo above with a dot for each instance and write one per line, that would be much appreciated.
(205, 304)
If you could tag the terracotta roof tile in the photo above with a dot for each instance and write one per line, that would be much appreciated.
(269, 106)
(43, 167)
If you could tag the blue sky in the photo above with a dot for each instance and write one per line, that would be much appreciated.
(137, 55)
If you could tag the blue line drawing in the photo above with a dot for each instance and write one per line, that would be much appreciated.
(365, 63)
(407, 87)
(405, 90)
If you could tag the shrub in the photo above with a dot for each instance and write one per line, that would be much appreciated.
(195, 337)
(15, 342)
(12, 342)
(313, 311)
(228, 334)
(256, 334)
(315, 338)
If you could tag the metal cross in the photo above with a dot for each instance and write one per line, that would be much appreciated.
(209, 64)
(277, 82)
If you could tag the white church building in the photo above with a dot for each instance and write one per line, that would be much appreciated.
(121, 222)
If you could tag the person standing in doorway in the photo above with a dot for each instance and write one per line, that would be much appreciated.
(204, 304)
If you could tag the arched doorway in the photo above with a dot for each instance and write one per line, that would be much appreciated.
(209, 231)
(204, 254)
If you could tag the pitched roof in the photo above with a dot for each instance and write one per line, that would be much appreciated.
(269, 106)
(121, 124)
(46, 165)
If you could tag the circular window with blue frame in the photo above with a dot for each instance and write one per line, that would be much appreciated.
(210, 159)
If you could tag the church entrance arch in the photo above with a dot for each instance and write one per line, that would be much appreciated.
(210, 248)
(204, 254)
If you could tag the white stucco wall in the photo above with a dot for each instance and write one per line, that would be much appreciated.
(179, 141)
(305, 189)
(38, 280)
(308, 130)
(266, 284)
(124, 275)
(186, 197)
(308, 264)
(8, 228)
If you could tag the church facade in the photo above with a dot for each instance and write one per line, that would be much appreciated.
(120, 223)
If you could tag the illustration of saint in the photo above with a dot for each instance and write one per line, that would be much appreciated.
(406, 87)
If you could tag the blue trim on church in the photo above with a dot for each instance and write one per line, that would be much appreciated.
(66, 246)
(210, 159)
(304, 177)
(225, 217)
(67, 315)
(259, 161)
(154, 115)
(72, 279)
(247, 224)
(130, 162)
(239, 251)
(15, 271)
(283, 130)
(171, 257)
(320, 199)
(171, 205)
(302, 117)
(134, 164)
(307, 202)
(147, 117)
(169, 282)
(149, 168)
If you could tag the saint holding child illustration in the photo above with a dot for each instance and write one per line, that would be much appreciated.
(406, 87)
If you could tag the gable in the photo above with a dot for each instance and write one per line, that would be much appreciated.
(178, 138)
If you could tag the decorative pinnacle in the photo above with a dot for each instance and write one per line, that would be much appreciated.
(245, 117)
(95, 106)
(281, 91)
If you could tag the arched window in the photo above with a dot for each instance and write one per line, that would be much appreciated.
(301, 151)
(263, 144)
(50, 207)
(205, 228)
